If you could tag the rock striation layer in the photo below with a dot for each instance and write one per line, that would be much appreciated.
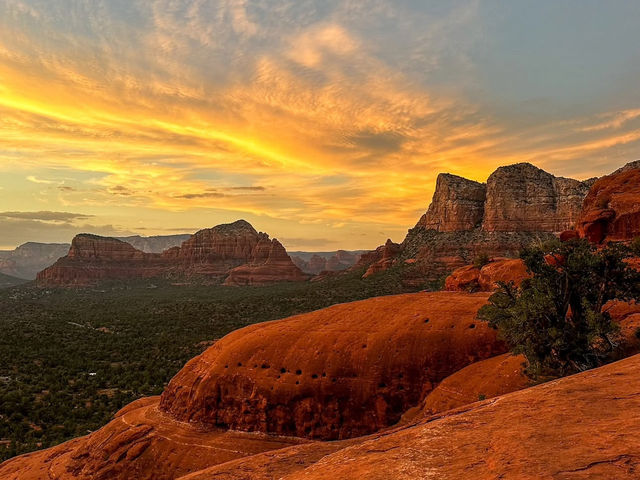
(210, 254)
(458, 204)
(524, 198)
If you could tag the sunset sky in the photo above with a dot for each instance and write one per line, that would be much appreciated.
(323, 123)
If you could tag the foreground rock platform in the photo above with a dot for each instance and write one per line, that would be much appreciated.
(341, 372)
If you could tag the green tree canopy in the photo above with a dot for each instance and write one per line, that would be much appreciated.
(556, 318)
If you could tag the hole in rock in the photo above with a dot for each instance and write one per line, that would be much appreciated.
(314, 376)
(283, 370)
(473, 325)
(265, 366)
(298, 372)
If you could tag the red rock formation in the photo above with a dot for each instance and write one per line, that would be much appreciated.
(210, 254)
(524, 198)
(463, 279)
(583, 426)
(276, 267)
(611, 210)
(472, 279)
(364, 364)
(458, 204)
(479, 381)
(141, 443)
(388, 254)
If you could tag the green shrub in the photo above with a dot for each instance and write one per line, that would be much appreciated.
(556, 317)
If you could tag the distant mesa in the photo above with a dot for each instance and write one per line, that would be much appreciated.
(33, 257)
(208, 255)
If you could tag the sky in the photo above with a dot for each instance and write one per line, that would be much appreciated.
(323, 123)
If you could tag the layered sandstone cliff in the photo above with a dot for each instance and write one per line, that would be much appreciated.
(210, 254)
(458, 204)
(519, 204)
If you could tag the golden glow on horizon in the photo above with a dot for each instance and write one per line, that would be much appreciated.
(320, 133)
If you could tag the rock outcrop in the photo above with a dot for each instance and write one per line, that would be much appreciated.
(611, 210)
(340, 372)
(276, 267)
(583, 426)
(524, 198)
(210, 254)
(479, 381)
(387, 256)
(518, 205)
(364, 364)
(458, 204)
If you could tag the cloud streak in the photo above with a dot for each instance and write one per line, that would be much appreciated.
(306, 114)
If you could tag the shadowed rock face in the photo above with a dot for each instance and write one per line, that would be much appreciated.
(210, 253)
(611, 210)
(340, 372)
(30, 258)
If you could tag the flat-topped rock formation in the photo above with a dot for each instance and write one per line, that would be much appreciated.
(524, 198)
(519, 204)
(210, 254)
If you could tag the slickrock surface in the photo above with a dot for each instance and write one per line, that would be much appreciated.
(485, 279)
(141, 443)
(611, 210)
(211, 254)
(582, 427)
(524, 198)
(344, 371)
(458, 204)
(479, 381)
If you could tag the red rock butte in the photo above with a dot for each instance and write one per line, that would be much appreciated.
(234, 252)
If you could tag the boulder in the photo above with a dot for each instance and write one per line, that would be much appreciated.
(611, 210)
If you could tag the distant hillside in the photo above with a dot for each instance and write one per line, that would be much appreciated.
(33, 257)
(316, 262)
(9, 281)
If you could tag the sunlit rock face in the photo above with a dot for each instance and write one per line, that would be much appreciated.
(519, 204)
(341, 372)
(612, 208)
(524, 198)
(458, 204)
(209, 254)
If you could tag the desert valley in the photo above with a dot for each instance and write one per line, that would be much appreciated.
(319, 239)
(398, 386)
